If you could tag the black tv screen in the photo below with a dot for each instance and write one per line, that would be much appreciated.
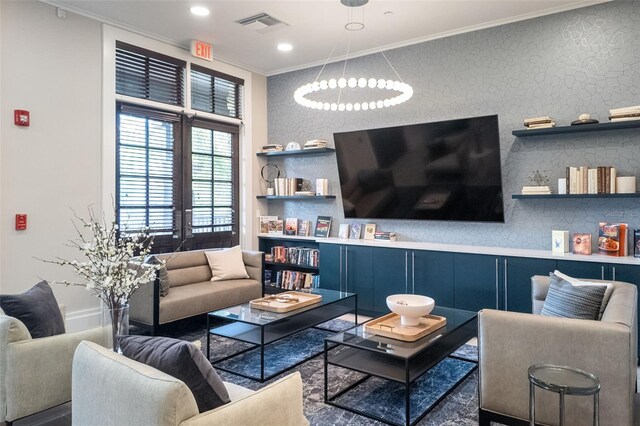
(446, 170)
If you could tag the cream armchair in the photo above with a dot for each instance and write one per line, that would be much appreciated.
(509, 342)
(112, 390)
(35, 374)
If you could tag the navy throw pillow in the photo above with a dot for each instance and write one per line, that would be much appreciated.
(568, 301)
(37, 308)
(182, 360)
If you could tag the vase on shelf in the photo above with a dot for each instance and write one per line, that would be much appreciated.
(115, 322)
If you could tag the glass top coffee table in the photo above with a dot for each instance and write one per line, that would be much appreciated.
(381, 360)
(269, 353)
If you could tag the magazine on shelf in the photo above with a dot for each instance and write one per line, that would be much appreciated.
(581, 243)
(612, 238)
(264, 223)
(356, 230)
(369, 231)
(323, 226)
(303, 228)
(275, 227)
(291, 226)
(343, 231)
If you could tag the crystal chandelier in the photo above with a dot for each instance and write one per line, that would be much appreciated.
(400, 91)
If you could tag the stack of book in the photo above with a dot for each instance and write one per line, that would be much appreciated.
(274, 147)
(315, 143)
(539, 123)
(536, 190)
(385, 236)
(288, 186)
(597, 180)
(625, 114)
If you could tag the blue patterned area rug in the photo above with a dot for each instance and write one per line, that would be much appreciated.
(380, 397)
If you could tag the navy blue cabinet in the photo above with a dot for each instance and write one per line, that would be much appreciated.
(432, 275)
(593, 270)
(476, 281)
(516, 279)
(390, 268)
(331, 267)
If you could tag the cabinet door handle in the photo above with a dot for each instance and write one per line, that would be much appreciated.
(341, 248)
(602, 272)
(406, 272)
(497, 282)
(413, 272)
(613, 270)
(346, 269)
(506, 290)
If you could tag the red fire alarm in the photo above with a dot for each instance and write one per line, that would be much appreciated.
(21, 222)
(21, 117)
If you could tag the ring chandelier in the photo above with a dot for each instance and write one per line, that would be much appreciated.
(405, 90)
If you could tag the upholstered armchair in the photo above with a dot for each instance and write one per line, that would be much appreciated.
(35, 374)
(509, 342)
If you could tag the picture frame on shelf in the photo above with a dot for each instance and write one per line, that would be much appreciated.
(356, 230)
(370, 231)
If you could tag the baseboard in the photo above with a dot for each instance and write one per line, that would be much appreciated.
(83, 319)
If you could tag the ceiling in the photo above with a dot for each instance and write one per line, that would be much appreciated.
(314, 28)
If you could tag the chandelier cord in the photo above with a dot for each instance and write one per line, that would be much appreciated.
(325, 63)
(394, 70)
(344, 69)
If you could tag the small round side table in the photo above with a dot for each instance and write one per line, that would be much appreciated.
(564, 381)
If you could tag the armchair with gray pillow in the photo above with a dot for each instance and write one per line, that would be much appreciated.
(509, 342)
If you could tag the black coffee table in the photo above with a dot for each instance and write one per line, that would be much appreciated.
(263, 329)
(393, 360)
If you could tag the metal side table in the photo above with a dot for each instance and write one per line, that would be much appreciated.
(564, 381)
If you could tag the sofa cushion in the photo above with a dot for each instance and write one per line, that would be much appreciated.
(568, 301)
(226, 264)
(182, 360)
(199, 298)
(579, 282)
(37, 309)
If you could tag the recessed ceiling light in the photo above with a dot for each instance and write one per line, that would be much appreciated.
(200, 11)
(285, 47)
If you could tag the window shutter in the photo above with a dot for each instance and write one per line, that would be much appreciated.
(215, 92)
(144, 74)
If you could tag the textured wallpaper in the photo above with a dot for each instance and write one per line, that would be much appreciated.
(587, 60)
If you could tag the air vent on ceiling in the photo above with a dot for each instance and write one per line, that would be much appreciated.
(261, 23)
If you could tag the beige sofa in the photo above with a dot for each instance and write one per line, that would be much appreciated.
(191, 290)
(510, 342)
(35, 374)
(110, 389)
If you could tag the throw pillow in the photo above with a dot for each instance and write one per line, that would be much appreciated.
(578, 282)
(163, 276)
(37, 309)
(182, 360)
(226, 264)
(568, 301)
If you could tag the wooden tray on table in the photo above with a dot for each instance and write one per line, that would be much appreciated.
(285, 302)
(389, 326)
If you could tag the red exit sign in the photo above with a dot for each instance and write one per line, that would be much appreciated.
(202, 50)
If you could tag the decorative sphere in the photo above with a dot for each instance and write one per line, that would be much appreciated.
(333, 83)
(352, 82)
(362, 82)
(372, 83)
(342, 83)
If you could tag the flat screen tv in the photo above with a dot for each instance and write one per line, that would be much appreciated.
(446, 170)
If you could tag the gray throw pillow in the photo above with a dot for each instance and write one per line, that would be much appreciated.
(37, 309)
(182, 360)
(568, 301)
(163, 276)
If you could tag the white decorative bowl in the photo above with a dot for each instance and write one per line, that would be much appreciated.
(410, 307)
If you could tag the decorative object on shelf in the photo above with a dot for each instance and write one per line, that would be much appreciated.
(584, 119)
(356, 230)
(293, 146)
(636, 243)
(581, 243)
(113, 270)
(625, 114)
(361, 83)
(322, 187)
(303, 228)
(560, 242)
(269, 173)
(343, 231)
(369, 231)
(323, 226)
(274, 147)
(539, 123)
(291, 226)
(315, 144)
(562, 186)
(612, 238)
(410, 307)
(625, 185)
(538, 178)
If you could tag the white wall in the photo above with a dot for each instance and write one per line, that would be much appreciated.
(65, 160)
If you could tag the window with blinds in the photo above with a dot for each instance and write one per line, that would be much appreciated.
(145, 167)
(144, 74)
(212, 180)
(215, 92)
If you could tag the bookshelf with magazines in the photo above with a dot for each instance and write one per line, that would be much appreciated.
(291, 263)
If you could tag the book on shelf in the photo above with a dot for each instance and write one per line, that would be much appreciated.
(291, 226)
(630, 118)
(385, 236)
(323, 227)
(315, 144)
(288, 186)
(303, 256)
(356, 230)
(538, 120)
(369, 231)
(625, 110)
(264, 223)
(343, 231)
(636, 243)
(541, 126)
(294, 280)
(275, 227)
(274, 147)
(596, 180)
(303, 227)
(612, 239)
(534, 190)
(581, 243)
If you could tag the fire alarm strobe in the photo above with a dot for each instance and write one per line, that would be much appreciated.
(21, 117)
(21, 222)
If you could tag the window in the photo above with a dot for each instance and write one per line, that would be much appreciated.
(176, 175)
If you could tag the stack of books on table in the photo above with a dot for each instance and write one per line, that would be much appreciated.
(625, 114)
(274, 147)
(536, 190)
(539, 123)
(385, 236)
(315, 144)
